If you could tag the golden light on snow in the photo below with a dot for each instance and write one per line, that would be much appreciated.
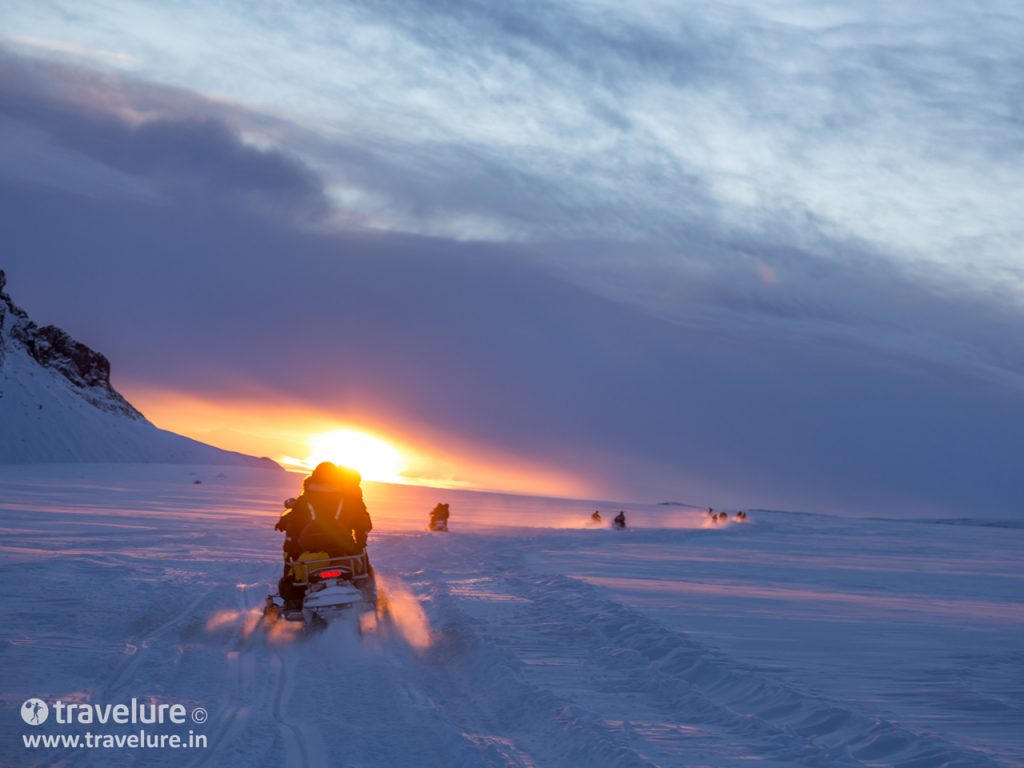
(372, 457)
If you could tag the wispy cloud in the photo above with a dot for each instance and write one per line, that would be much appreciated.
(176, 151)
(70, 51)
(793, 122)
(762, 253)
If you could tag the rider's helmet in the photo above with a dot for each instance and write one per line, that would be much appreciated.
(348, 476)
(325, 472)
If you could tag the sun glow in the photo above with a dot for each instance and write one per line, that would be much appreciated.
(373, 458)
(385, 451)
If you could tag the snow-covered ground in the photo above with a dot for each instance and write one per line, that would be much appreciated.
(524, 637)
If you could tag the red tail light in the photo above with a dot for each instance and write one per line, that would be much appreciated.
(329, 574)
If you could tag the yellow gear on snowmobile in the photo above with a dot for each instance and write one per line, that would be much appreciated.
(300, 572)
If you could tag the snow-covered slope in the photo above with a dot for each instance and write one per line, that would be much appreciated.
(57, 405)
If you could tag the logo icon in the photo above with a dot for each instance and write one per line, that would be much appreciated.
(35, 711)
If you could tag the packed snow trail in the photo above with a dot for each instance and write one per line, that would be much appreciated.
(506, 646)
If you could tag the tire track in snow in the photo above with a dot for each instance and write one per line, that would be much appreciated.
(296, 753)
(569, 641)
(374, 713)
(480, 694)
(518, 722)
(818, 730)
(129, 667)
(303, 745)
(692, 684)
(246, 696)
(260, 690)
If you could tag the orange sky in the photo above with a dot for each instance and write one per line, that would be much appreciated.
(282, 429)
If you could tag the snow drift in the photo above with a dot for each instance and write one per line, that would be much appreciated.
(57, 405)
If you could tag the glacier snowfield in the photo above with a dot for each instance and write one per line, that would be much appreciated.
(524, 637)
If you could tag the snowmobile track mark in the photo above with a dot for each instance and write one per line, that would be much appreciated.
(734, 712)
(688, 682)
(296, 754)
(241, 664)
(143, 644)
(303, 745)
(513, 721)
(128, 666)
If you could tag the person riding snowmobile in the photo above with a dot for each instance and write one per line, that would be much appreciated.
(330, 516)
(439, 517)
(596, 517)
(620, 519)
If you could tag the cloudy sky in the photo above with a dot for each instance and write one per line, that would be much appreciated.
(742, 253)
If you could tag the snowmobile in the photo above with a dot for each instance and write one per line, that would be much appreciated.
(439, 518)
(619, 521)
(334, 587)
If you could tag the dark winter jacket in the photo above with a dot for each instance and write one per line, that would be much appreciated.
(440, 512)
(327, 517)
(291, 522)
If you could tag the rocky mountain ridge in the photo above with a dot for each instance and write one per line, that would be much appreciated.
(53, 348)
(57, 405)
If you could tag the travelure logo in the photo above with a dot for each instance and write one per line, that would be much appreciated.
(35, 711)
(60, 714)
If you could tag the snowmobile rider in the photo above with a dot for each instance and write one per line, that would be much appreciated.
(440, 514)
(620, 519)
(596, 517)
(330, 516)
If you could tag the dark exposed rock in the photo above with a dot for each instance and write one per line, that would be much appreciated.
(45, 364)
(86, 369)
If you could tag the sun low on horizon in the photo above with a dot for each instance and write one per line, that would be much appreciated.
(298, 437)
(373, 457)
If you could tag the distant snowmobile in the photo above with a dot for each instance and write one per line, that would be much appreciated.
(334, 587)
(439, 518)
(620, 520)
(596, 517)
